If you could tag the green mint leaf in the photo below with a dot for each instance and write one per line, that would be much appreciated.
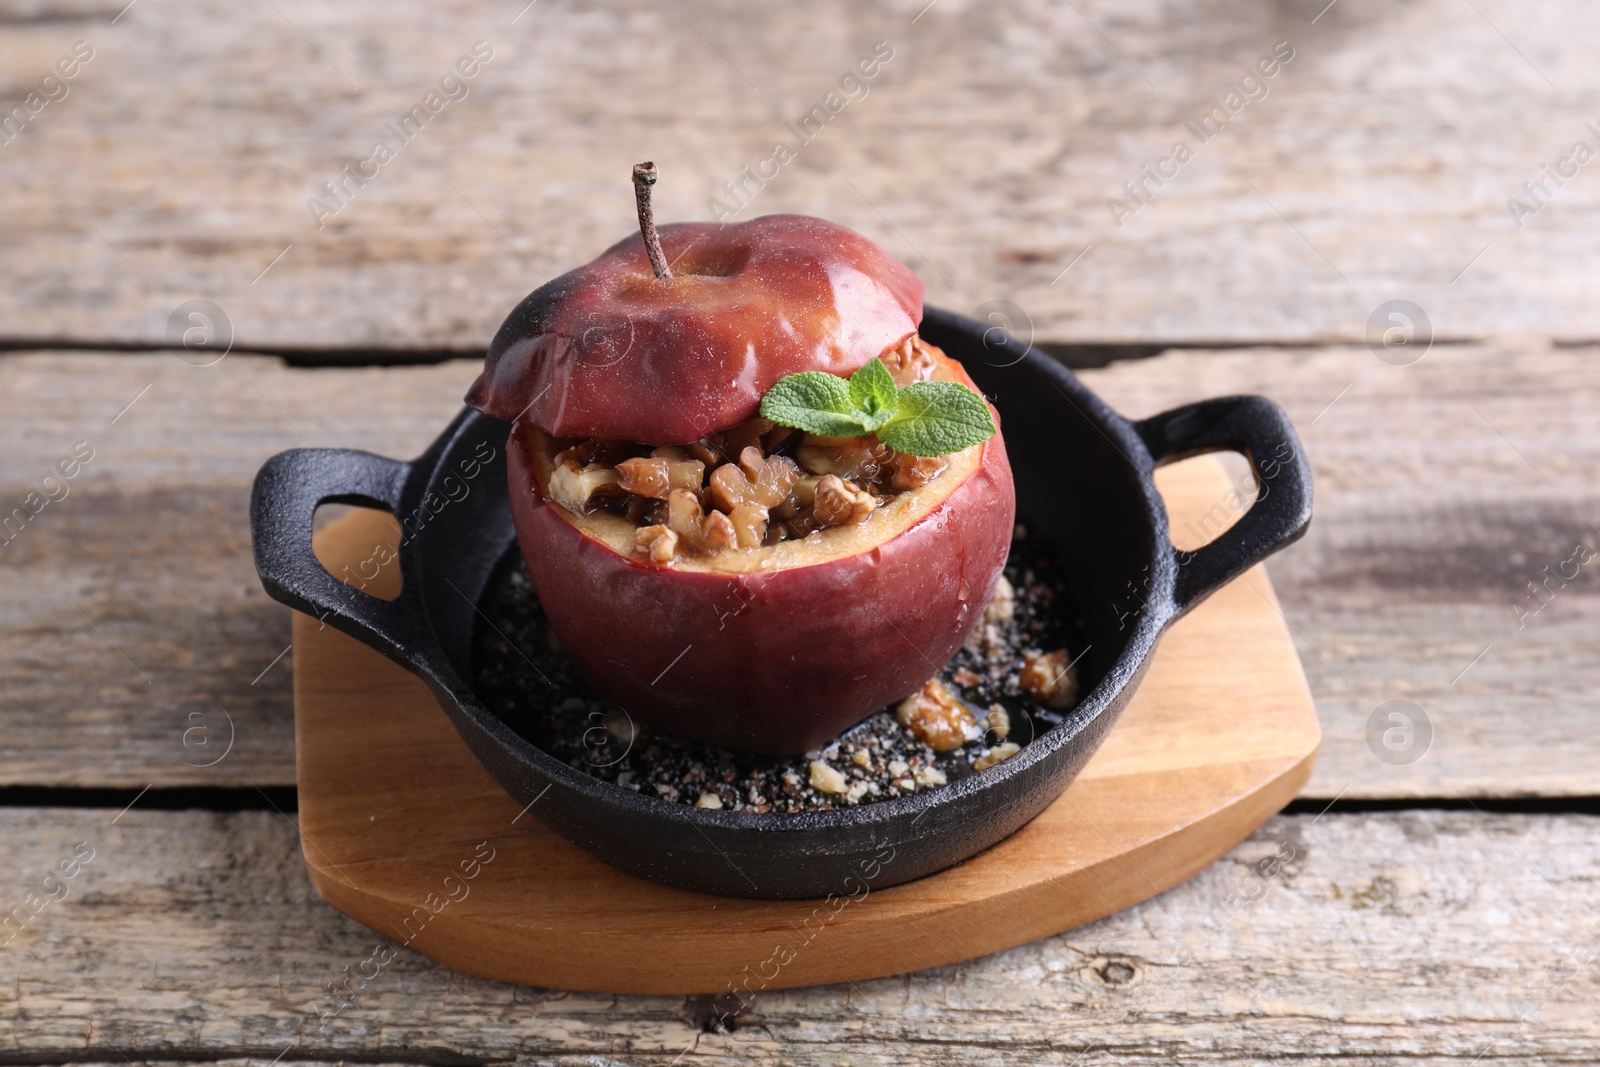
(923, 419)
(813, 401)
(936, 419)
(873, 394)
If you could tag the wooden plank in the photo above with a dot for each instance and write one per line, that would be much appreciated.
(1443, 489)
(985, 152)
(1418, 937)
(131, 610)
(1428, 526)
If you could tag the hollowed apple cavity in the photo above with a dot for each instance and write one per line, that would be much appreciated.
(769, 645)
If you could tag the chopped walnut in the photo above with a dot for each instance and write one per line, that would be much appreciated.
(683, 513)
(937, 718)
(826, 779)
(571, 486)
(1049, 678)
(914, 472)
(801, 497)
(857, 458)
(764, 481)
(744, 487)
(773, 479)
(910, 361)
(998, 721)
(695, 529)
(702, 451)
(1003, 604)
(717, 532)
(729, 486)
(749, 525)
(658, 541)
(709, 800)
(995, 755)
(815, 459)
(752, 462)
(964, 677)
(657, 476)
(839, 501)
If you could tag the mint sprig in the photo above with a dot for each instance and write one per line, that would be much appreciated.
(813, 401)
(937, 418)
(921, 419)
(874, 397)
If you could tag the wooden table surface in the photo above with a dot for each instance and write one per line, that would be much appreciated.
(1435, 911)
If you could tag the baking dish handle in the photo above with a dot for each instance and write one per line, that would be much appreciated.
(1259, 429)
(288, 490)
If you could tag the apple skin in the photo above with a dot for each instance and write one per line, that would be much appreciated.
(610, 351)
(776, 663)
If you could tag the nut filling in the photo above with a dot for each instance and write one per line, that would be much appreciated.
(1013, 680)
(753, 485)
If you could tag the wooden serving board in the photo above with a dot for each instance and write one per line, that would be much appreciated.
(395, 813)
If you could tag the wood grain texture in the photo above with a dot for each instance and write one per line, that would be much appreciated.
(1378, 165)
(1421, 937)
(131, 609)
(1442, 490)
(1429, 523)
(1220, 734)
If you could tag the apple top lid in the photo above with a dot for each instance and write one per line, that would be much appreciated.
(610, 350)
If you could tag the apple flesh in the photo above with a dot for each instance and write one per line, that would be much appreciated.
(610, 351)
(779, 649)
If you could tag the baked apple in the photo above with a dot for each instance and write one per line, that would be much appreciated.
(755, 505)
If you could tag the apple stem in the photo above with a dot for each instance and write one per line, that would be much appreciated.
(644, 176)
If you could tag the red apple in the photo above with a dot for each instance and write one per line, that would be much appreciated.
(611, 351)
(777, 649)
(742, 639)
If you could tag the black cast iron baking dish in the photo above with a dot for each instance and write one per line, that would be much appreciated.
(1083, 477)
